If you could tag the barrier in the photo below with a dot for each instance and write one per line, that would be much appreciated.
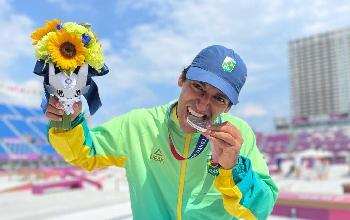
(26, 186)
(346, 187)
(82, 177)
(71, 184)
(313, 206)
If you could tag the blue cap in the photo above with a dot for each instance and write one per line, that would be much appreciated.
(220, 67)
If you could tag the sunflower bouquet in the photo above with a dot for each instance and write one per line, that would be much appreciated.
(68, 55)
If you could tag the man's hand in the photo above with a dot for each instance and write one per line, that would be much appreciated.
(226, 142)
(54, 110)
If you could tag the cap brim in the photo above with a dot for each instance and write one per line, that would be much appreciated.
(195, 73)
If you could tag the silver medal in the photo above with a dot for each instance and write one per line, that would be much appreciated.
(200, 124)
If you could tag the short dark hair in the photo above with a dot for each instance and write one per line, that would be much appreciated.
(184, 71)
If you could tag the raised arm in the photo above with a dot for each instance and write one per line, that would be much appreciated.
(88, 149)
(247, 189)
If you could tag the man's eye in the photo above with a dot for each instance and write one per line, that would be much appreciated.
(220, 99)
(197, 86)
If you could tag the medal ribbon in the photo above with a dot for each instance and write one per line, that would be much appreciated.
(200, 146)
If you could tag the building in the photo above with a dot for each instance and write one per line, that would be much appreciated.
(319, 74)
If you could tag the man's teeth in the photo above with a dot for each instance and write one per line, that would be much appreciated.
(192, 112)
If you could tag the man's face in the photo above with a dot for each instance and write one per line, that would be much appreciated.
(201, 100)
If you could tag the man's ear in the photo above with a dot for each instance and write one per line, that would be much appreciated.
(181, 80)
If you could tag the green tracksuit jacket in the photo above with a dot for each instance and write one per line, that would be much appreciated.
(162, 187)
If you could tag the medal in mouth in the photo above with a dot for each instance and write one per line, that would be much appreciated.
(198, 121)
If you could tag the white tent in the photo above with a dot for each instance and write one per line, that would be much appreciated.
(312, 153)
(284, 155)
(343, 153)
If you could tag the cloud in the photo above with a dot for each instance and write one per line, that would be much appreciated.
(258, 67)
(106, 44)
(5, 7)
(70, 6)
(27, 93)
(251, 110)
(181, 29)
(139, 97)
(15, 37)
(157, 49)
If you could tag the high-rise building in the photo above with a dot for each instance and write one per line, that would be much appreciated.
(319, 74)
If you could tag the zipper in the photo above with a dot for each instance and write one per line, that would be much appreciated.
(182, 177)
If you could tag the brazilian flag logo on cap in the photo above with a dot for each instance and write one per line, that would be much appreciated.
(229, 64)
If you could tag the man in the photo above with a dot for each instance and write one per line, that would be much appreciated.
(166, 161)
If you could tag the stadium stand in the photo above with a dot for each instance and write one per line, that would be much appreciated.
(23, 111)
(4, 110)
(23, 134)
(6, 132)
(335, 140)
(3, 153)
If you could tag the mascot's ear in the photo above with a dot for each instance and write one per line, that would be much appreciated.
(52, 76)
(84, 69)
(51, 69)
(82, 76)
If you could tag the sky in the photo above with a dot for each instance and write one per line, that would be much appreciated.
(147, 43)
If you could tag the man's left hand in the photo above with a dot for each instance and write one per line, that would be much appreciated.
(226, 142)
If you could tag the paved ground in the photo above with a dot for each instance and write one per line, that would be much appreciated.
(77, 204)
(112, 203)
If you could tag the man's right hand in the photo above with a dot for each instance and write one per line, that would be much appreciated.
(54, 110)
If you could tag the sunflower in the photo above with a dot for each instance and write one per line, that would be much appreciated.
(66, 50)
(40, 32)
